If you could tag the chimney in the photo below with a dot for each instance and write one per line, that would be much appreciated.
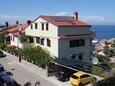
(7, 24)
(17, 22)
(76, 15)
(29, 22)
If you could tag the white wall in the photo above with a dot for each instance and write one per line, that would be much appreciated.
(52, 32)
(54, 46)
(16, 41)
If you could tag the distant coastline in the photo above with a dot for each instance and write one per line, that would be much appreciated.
(104, 31)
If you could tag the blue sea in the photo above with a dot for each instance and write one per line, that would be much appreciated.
(104, 31)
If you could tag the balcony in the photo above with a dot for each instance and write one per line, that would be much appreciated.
(92, 32)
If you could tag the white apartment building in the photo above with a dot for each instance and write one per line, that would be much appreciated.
(65, 37)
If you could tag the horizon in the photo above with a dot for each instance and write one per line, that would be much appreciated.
(94, 12)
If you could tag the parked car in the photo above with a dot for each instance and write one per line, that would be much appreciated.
(4, 78)
(81, 78)
(1, 68)
(64, 74)
(2, 54)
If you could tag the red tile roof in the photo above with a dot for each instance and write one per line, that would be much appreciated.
(64, 21)
(15, 29)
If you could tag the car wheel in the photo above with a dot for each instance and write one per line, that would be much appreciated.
(80, 84)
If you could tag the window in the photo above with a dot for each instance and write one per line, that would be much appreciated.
(47, 26)
(42, 41)
(36, 26)
(31, 40)
(80, 57)
(48, 43)
(84, 76)
(31, 26)
(38, 40)
(77, 43)
(13, 38)
(73, 56)
(42, 26)
(74, 76)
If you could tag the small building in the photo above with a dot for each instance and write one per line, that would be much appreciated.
(65, 37)
(14, 32)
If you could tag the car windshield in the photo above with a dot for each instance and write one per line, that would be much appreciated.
(75, 77)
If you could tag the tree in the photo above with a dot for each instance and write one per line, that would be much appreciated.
(2, 40)
(103, 59)
(106, 50)
(113, 46)
(113, 40)
(23, 38)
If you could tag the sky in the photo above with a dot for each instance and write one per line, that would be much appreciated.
(91, 11)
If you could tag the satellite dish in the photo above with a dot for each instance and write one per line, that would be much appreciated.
(95, 60)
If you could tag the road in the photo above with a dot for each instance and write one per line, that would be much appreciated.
(22, 75)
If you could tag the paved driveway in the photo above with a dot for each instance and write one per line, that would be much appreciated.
(22, 75)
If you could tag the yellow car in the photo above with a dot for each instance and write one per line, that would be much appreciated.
(81, 78)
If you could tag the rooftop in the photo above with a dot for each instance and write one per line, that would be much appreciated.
(64, 21)
(14, 29)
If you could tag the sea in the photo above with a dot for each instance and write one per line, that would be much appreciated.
(104, 31)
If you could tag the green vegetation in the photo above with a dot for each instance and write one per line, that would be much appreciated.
(106, 50)
(99, 71)
(109, 81)
(2, 41)
(23, 38)
(9, 49)
(38, 56)
(103, 59)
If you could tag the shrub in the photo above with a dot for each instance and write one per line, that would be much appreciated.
(2, 46)
(112, 64)
(23, 38)
(38, 56)
(106, 50)
(9, 49)
(99, 71)
(103, 59)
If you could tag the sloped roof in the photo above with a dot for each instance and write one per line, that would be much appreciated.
(15, 29)
(64, 21)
